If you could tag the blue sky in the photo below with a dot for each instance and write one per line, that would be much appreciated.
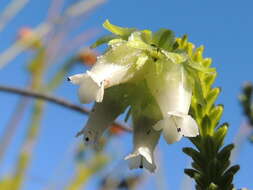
(225, 29)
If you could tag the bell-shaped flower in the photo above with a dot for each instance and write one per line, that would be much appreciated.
(118, 65)
(145, 141)
(103, 114)
(172, 90)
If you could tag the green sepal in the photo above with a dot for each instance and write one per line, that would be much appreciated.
(164, 38)
(146, 35)
(184, 41)
(219, 135)
(207, 62)
(192, 173)
(232, 170)
(103, 40)
(215, 114)
(222, 165)
(227, 178)
(198, 67)
(117, 30)
(196, 156)
(211, 97)
(225, 152)
(196, 141)
(209, 79)
(138, 43)
(198, 54)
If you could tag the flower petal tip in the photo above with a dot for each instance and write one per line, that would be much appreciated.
(136, 160)
(89, 137)
(90, 91)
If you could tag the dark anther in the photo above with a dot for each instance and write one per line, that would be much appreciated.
(153, 45)
(148, 132)
(141, 166)
(178, 129)
(68, 79)
(155, 59)
(87, 139)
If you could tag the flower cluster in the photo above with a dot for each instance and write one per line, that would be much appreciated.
(148, 73)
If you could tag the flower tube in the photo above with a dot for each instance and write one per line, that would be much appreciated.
(103, 114)
(145, 141)
(173, 91)
(116, 66)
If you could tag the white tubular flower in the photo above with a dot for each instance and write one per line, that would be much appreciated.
(99, 120)
(145, 141)
(173, 93)
(116, 66)
(102, 116)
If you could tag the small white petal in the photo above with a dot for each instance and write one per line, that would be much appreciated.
(176, 125)
(101, 118)
(141, 158)
(134, 160)
(89, 90)
(148, 166)
(171, 128)
(145, 152)
(190, 127)
(76, 79)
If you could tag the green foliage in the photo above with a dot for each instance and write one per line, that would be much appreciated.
(122, 32)
(164, 38)
(211, 165)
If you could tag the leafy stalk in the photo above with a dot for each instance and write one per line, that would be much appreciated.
(211, 168)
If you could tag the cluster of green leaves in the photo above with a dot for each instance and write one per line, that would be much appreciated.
(211, 164)
(247, 104)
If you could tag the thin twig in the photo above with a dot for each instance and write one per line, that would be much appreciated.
(53, 99)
